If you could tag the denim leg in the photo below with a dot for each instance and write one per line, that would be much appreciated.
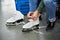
(32, 5)
(50, 6)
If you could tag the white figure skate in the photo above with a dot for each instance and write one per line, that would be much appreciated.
(16, 19)
(30, 25)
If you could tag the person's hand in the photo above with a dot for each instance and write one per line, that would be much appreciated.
(29, 15)
(35, 15)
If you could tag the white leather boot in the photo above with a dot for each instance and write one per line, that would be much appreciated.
(17, 18)
(29, 26)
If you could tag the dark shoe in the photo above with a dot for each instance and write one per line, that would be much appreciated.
(50, 25)
(40, 18)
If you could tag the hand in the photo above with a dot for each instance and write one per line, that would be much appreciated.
(35, 15)
(29, 15)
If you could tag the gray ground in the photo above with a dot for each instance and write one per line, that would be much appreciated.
(15, 33)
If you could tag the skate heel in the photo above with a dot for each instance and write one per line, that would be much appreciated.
(26, 30)
(36, 27)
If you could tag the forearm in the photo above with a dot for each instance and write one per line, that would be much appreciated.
(41, 6)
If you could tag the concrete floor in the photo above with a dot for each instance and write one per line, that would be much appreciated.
(15, 33)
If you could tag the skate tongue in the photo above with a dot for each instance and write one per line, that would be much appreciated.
(30, 20)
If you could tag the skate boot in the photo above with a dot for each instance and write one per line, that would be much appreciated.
(18, 18)
(31, 25)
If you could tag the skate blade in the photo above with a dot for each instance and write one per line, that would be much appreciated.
(15, 24)
(21, 23)
(10, 24)
(30, 29)
(27, 30)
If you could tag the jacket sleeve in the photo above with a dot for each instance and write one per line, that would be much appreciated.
(41, 6)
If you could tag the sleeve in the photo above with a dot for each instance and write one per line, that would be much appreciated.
(41, 6)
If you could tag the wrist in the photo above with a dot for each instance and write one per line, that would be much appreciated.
(37, 12)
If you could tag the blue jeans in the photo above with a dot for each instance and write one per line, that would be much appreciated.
(50, 7)
(32, 5)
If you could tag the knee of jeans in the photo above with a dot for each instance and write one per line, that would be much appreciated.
(47, 2)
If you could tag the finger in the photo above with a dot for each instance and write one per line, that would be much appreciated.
(34, 18)
(30, 17)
